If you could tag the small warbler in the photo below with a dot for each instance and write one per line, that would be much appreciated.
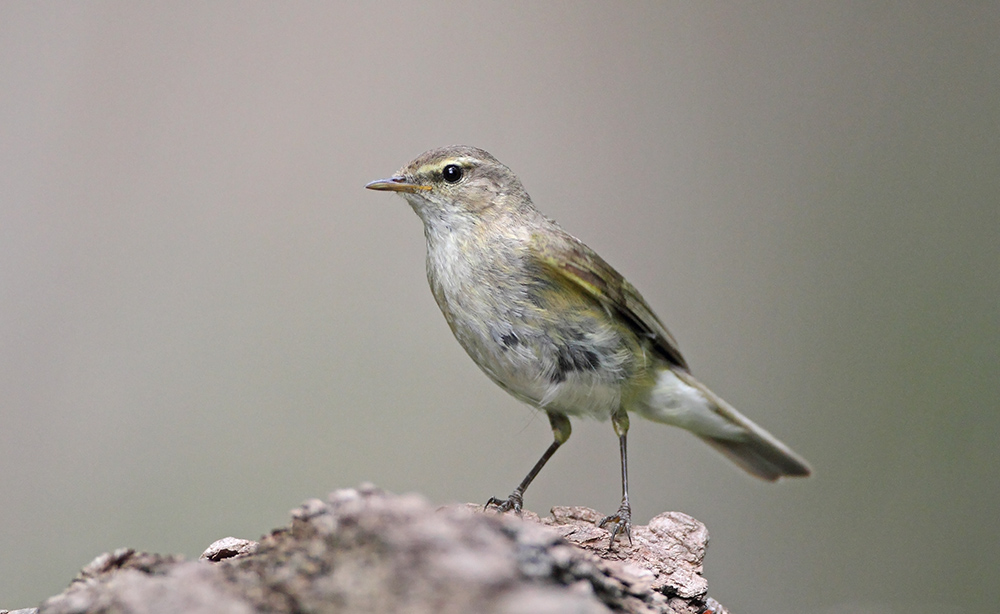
(554, 325)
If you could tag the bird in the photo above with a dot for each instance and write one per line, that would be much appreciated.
(556, 326)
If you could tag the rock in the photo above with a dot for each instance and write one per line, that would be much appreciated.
(365, 550)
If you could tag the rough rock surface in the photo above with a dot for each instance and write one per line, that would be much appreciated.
(365, 550)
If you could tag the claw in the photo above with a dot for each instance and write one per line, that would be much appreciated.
(513, 502)
(621, 523)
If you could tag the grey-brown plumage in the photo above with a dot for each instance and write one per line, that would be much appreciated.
(555, 325)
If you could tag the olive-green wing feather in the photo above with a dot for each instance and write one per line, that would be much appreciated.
(572, 261)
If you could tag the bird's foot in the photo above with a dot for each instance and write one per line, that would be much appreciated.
(513, 502)
(620, 523)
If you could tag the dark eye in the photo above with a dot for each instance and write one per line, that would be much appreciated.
(452, 173)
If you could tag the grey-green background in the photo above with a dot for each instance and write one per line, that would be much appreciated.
(205, 318)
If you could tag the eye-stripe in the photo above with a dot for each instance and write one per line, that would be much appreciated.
(438, 166)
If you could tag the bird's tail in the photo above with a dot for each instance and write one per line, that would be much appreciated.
(683, 401)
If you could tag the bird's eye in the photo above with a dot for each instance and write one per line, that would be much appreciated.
(452, 173)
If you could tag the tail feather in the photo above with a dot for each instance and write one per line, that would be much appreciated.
(757, 457)
(754, 449)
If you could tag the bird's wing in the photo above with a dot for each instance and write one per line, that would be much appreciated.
(578, 265)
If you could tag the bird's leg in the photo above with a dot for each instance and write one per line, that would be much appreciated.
(621, 522)
(560, 432)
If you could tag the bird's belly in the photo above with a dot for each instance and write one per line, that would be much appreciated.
(536, 380)
(574, 364)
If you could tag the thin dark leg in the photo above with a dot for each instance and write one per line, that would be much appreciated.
(560, 432)
(621, 522)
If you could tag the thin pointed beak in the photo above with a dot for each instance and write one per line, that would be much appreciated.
(396, 184)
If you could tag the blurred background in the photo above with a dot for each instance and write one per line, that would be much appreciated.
(205, 319)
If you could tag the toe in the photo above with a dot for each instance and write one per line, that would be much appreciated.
(619, 524)
(512, 502)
